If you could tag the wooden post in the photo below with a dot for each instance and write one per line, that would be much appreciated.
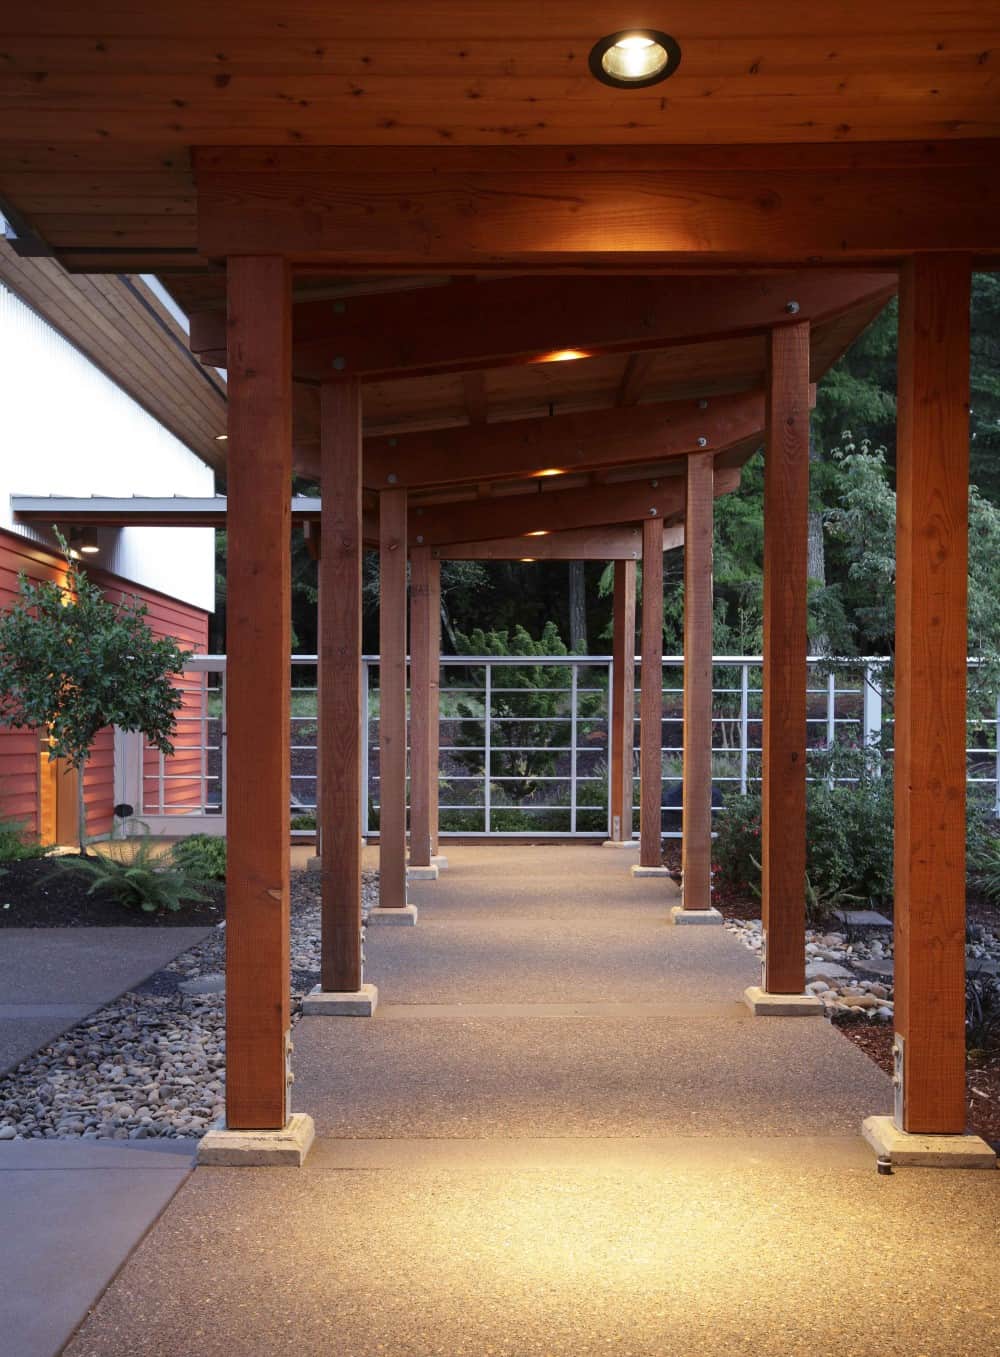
(340, 686)
(434, 703)
(932, 471)
(696, 850)
(623, 702)
(392, 699)
(786, 531)
(421, 768)
(258, 641)
(651, 697)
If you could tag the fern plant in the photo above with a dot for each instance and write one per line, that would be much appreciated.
(137, 877)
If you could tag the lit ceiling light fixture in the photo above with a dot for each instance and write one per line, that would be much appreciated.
(84, 541)
(551, 471)
(540, 532)
(561, 356)
(634, 58)
(222, 438)
(527, 560)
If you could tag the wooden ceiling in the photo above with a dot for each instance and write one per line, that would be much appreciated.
(102, 102)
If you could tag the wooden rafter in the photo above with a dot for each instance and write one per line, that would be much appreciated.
(581, 544)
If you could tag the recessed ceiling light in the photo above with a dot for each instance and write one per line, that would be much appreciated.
(526, 560)
(540, 532)
(634, 58)
(561, 356)
(551, 471)
(222, 438)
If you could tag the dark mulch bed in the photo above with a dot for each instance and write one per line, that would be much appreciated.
(38, 893)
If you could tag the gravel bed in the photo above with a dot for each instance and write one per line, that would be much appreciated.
(844, 970)
(153, 1062)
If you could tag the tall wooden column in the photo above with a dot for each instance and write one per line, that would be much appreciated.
(392, 699)
(786, 532)
(932, 476)
(696, 851)
(340, 775)
(258, 642)
(623, 702)
(434, 701)
(651, 697)
(422, 771)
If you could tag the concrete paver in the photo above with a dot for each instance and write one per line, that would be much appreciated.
(72, 1212)
(51, 978)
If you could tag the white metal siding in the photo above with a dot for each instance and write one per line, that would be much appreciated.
(67, 429)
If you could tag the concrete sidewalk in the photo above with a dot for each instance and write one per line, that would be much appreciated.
(563, 1134)
(52, 978)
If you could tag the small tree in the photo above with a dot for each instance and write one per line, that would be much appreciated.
(73, 662)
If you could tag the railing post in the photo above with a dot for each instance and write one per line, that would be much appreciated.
(574, 689)
(744, 726)
(487, 744)
(871, 712)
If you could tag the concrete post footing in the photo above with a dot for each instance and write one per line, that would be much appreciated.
(763, 1005)
(620, 843)
(404, 916)
(361, 1003)
(905, 1149)
(287, 1148)
(637, 870)
(680, 915)
(439, 861)
(425, 873)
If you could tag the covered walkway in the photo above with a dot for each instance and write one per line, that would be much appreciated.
(563, 1133)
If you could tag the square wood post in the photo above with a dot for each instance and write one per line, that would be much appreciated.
(258, 641)
(392, 704)
(698, 618)
(422, 770)
(622, 731)
(340, 686)
(786, 531)
(651, 702)
(932, 499)
(434, 700)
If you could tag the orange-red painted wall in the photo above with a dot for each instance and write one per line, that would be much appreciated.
(19, 784)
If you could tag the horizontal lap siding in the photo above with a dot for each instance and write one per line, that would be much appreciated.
(19, 789)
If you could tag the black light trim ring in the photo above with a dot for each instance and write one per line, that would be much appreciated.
(670, 46)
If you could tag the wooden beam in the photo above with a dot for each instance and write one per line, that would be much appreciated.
(651, 698)
(696, 848)
(555, 510)
(650, 207)
(470, 324)
(434, 700)
(635, 376)
(476, 400)
(573, 442)
(582, 544)
(392, 699)
(421, 769)
(931, 640)
(258, 642)
(786, 529)
(622, 733)
(340, 689)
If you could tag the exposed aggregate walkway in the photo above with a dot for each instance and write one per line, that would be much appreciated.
(562, 1133)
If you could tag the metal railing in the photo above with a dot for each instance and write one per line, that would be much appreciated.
(524, 742)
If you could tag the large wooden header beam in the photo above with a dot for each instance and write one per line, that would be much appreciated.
(555, 510)
(653, 209)
(580, 544)
(573, 442)
(492, 323)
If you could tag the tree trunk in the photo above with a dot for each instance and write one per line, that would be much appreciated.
(81, 806)
(577, 608)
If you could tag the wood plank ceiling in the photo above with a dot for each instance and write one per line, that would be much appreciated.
(101, 102)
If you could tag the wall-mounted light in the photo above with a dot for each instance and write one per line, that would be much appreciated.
(634, 58)
(84, 541)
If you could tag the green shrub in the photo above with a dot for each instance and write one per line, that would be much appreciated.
(16, 844)
(307, 820)
(848, 839)
(202, 856)
(136, 877)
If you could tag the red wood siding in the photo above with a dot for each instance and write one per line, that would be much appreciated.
(19, 790)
